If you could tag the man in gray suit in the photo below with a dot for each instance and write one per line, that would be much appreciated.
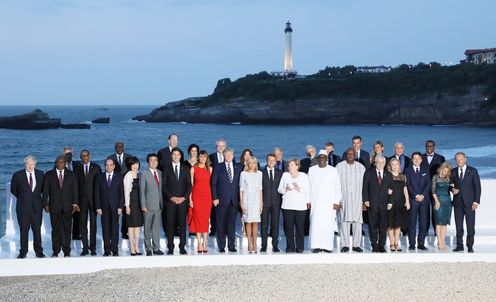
(151, 204)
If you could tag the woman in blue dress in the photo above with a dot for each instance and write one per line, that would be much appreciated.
(441, 187)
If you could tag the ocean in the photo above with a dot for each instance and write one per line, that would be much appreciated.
(142, 138)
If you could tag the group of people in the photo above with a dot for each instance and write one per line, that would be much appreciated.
(318, 196)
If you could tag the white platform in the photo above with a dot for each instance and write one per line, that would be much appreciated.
(485, 246)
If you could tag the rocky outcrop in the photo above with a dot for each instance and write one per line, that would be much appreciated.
(440, 108)
(101, 120)
(36, 120)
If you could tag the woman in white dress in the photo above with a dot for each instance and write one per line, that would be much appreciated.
(251, 200)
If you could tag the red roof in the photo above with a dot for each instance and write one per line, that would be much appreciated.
(474, 51)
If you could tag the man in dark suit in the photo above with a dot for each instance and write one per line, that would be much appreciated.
(361, 156)
(27, 187)
(332, 159)
(271, 177)
(405, 161)
(119, 158)
(71, 166)
(86, 174)
(216, 158)
(466, 200)
(310, 160)
(176, 186)
(377, 183)
(433, 161)
(419, 188)
(225, 198)
(281, 164)
(109, 202)
(60, 198)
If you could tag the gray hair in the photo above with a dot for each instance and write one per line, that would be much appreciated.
(68, 148)
(220, 140)
(310, 147)
(398, 144)
(28, 158)
(379, 157)
(228, 150)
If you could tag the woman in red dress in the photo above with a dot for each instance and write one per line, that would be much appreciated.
(200, 200)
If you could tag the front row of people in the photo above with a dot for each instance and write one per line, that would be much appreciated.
(392, 201)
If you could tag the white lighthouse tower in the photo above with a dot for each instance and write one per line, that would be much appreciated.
(288, 55)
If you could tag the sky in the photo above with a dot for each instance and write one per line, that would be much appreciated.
(149, 52)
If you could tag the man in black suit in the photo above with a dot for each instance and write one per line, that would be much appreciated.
(466, 199)
(119, 158)
(109, 202)
(399, 150)
(433, 161)
(176, 187)
(225, 198)
(216, 158)
(377, 184)
(419, 191)
(281, 164)
(27, 187)
(60, 198)
(310, 159)
(271, 177)
(332, 159)
(361, 156)
(86, 174)
(71, 166)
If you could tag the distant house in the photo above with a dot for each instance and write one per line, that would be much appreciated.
(373, 69)
(481, 56)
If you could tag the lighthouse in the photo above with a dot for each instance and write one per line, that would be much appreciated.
(288, 55)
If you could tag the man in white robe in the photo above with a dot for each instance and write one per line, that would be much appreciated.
(351, 174)
(325, 194)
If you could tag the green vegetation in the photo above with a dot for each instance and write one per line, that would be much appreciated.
(405, 80)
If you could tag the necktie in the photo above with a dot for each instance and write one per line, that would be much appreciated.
(61, 179)
(417, 174)
(120, 160)
(109, 181)
(271, 175)
(379, 178)
(461, 174)
(156, 178)
(85, 170)
(330, 160)
(176, 172)
(31, 181)
(229, 173)
(356, 156)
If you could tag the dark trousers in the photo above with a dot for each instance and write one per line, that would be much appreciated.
(213, 220)
(270, 213)
(418, 212)
(124, 225)
(85, 212)
(176, 216)
(75, 226)
(307, 223)
(294, 222)
(61, 232)
(377, 226)
(226, 225)
(110, 230)
(30, 221)
(461, 212)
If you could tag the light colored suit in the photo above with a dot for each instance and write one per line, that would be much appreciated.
(151, 199)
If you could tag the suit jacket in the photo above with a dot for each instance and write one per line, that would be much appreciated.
(222, 189)
(151, 196)
(470, 187)
(214, 160)
(407, 162)
(60, 200)
(27, 201)
(436, 162)
(271, 197)
(164, 158)
(86, 183)
(364, 159)
(284, 166)
(173, 187)
(418, 184)
(122, 169)
(377, 195)
(306, 163)
(112, 197)
(336, 159)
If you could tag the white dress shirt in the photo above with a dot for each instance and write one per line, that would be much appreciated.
(34, 179)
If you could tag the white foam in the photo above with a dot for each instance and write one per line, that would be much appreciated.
(475, 152)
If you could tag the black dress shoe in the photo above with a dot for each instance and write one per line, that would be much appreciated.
(345, 249)
(222, 250)
(125, 236)
(233, 250)
(148, 253)
(55, 255)
(263, 250)
(422, 247)
(40, 255)
(170, 252)
(382, 250)
(275, 249)
(299, 251)
(290, 251)
(375, 250)
(458, 249)
(315, 251)
(93, 253)
(326, 251)
(84, 253)
(115, 254)
(182, 251)
(411, 248)
(357, 249)
(470, 249)
(21, 256)
(106, 254)
(67, 255)
(158, 252)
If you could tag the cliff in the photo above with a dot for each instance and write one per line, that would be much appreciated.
(36, 120)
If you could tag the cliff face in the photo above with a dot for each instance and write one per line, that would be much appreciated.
(428, 109)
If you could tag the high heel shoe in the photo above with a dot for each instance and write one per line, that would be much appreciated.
(392, 248)
(398, 249)
(139, 253)
(133, 254)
